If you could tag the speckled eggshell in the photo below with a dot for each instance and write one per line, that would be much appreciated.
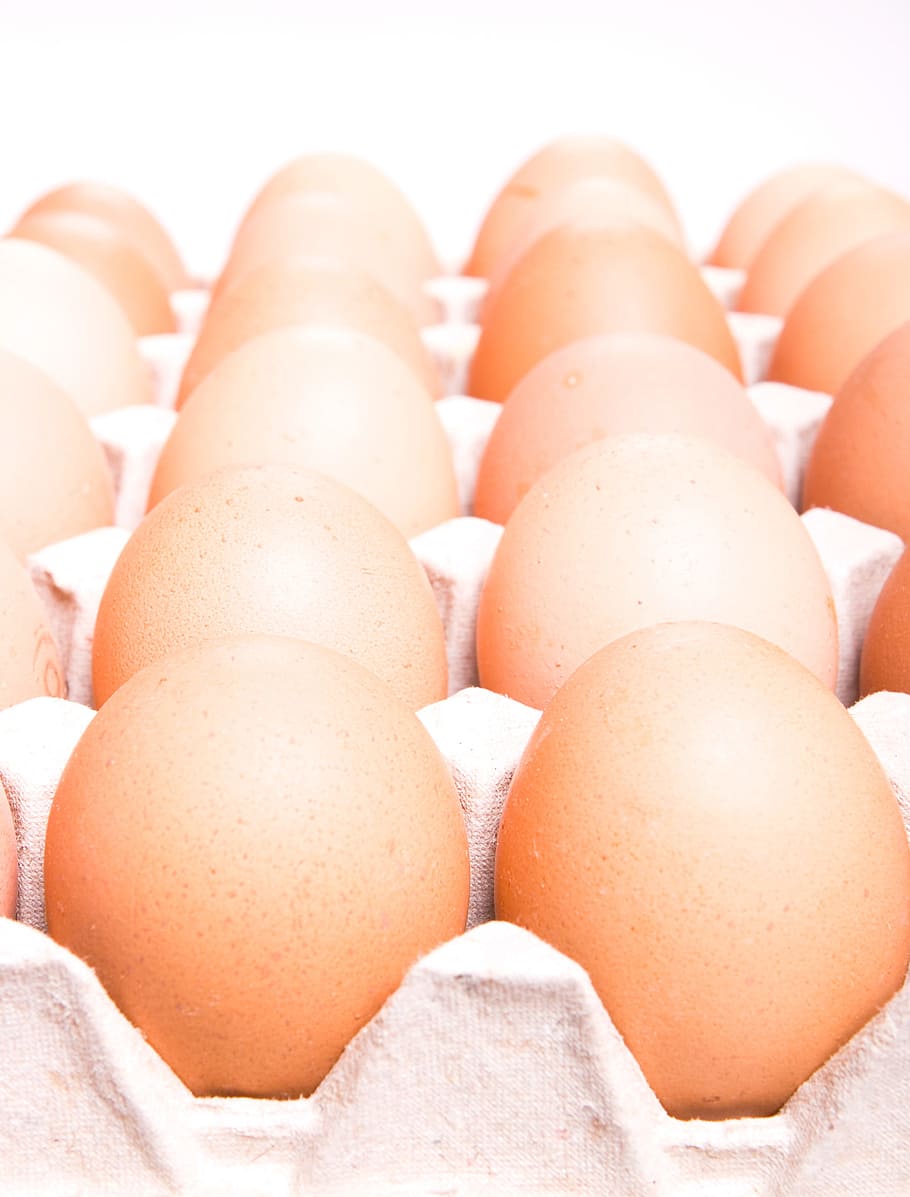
(60, 318)
(885, 660)
(700, 823)
(603, 386)
(331, 399)
(301, 291)
(583, 280)
(641, 529)
(249, 866)
(9, 861)
(54, 478)
(30, 664)
(272, 549)
(860, 459)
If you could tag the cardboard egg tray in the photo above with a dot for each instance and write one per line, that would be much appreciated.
(494, 1068)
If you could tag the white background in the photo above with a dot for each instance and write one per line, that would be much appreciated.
(191, 107)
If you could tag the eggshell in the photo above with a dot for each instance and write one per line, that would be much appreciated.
(843, 314)
(250, 870)
(754, 219)
(603, 386)
(358, 183)
(106, 253)
(832, 220)
(317, 224)
(329, 399)
(132, 218)
(278, 550)
(9, 864)
(301, 291)
(700, 823)
(641, 529)
(559, 163)
(860, 460)
(31, 667)
(885, 660)
(578, 281)
(57, 316)
(54, 479)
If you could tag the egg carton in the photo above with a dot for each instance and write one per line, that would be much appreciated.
(494, 1067)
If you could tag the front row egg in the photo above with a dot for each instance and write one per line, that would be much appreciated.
(251, 843)
(701, 825)
(9, 861)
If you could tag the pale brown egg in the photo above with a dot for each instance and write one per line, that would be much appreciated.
(603, 386)
(885, 660)
(560, 162)
(9, 861)
(860, 460)
(640, 529)
(301, 291)
(31, 665)
(135, 221)
(104, 251)
(321, 225)
(251, 844)
(582, 280)
(57, 316)
(327, 398)
(54, 477)
(765, 206)
(832, 220)
(360, 184)
(272, 549)
(843, 314)
(700, 823)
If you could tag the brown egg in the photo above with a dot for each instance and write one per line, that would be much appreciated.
(102, 250)
(9, 862)
(57, 316)
(301, 291)
(700, 823)
(860, 461)
(559, 163)
(327, 398)
(120, 209)
(577, 281)
(765, 206)
(54, 478)
(31, 666)
(640, 529)
(602, 386)
(359, 184)
(843, 314)
(248, 867)
(278, 550)
(885, 660)
(833, 219)
(322, 225)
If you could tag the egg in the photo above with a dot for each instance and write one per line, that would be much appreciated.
(331, 399)
(107, 254)
(832, 220)
(9, 863)
(603, 386)
(582, 280)
(62, 320)
(559, 163)
(272, 549)
(756, 216)
(885, 659)
(120, 209)
(301, 291)
(701, 825)
(54, 478)
(860, 459)
(843, 314)
(247, 866)
(640, 529)
(31, 665)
